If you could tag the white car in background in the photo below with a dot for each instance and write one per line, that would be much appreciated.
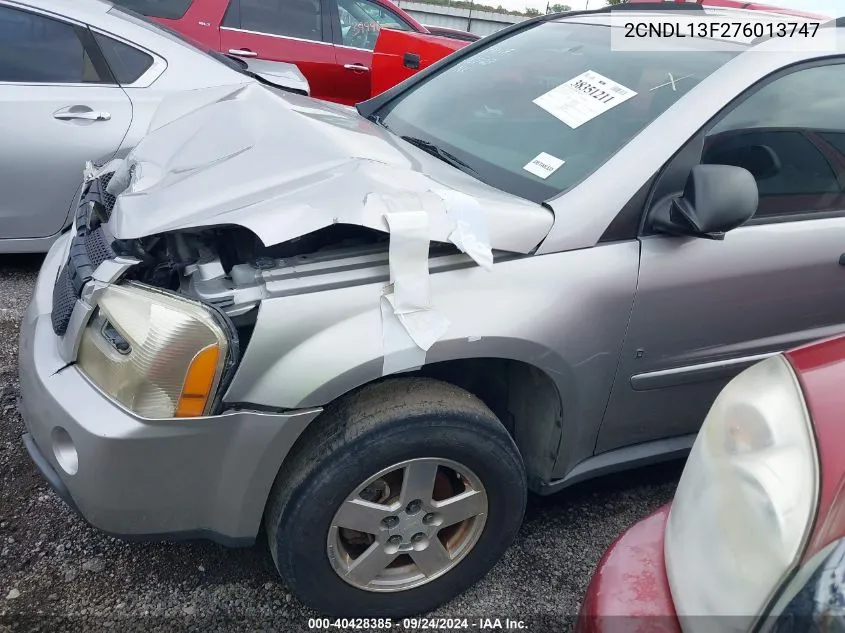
(81, 81)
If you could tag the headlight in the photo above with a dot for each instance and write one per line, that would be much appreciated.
(746, 500)
(158, 355)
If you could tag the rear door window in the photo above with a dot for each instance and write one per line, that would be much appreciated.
(361, 20)
(127, 63)
(301, 19)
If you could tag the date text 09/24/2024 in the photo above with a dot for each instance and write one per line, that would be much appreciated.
(418, 624)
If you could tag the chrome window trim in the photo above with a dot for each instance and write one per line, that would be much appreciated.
(282, 37)
(355, 48)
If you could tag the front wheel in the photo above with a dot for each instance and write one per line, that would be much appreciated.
(400, 498)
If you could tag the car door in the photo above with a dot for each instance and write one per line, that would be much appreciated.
(59, 107)
(293, 31)
(356, 25)
(706, 309)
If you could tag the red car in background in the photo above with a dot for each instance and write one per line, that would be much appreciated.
(398, 55)
(331, 41)
(755, 536)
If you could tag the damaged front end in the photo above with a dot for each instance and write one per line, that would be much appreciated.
(159, 323)
(158, 353)
(176, 247)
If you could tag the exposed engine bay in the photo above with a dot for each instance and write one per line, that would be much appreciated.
(230, 267)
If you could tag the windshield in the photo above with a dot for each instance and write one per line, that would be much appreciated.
(535, 113)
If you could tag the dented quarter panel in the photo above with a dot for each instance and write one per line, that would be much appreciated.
(309, 348)
(284, 166)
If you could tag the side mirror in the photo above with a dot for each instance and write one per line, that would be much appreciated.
(716, 199)
(760, 160)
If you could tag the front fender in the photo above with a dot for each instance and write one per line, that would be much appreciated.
(312, 348)
(563, 313)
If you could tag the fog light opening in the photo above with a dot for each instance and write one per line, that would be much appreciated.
(65, 451)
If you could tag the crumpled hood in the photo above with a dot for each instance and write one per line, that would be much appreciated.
(283, 166)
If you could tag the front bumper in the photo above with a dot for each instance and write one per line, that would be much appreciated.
(629, 591)
(163, 479)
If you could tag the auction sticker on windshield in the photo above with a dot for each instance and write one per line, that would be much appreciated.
(544, 165)
(583, 98)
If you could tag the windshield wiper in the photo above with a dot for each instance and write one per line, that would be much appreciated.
(439, 152)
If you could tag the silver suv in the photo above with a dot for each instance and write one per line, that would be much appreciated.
(375, 331)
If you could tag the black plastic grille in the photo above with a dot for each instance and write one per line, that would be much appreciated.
(88, 249)
(64, 298)
(106, 198)
(96, 247)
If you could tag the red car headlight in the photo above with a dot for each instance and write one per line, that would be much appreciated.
(746, 500)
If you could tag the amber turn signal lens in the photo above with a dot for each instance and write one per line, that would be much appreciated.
(199, 383)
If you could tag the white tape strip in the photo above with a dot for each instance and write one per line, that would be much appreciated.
(409, 326)
(407, 337)
(400, 351)
(408, 256)
(470, 234)
(424, 327)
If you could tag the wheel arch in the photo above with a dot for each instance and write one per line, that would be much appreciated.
(524, 397)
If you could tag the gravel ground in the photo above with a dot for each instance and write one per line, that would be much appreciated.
(58, 574)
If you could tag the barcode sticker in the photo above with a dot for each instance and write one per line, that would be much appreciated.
(583, 98)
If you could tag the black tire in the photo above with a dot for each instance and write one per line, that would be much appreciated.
(355, 438)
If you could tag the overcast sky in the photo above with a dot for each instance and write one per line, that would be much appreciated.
(826, 7)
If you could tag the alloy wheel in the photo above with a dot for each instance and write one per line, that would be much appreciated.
(407, 525)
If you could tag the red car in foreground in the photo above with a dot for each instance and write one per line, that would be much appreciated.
(755, 537)
(331, 41)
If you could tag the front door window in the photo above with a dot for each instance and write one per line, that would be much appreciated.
(361, 21)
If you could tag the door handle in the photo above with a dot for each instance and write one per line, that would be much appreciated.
(357, 68)
(68, 114)
(242, 52)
